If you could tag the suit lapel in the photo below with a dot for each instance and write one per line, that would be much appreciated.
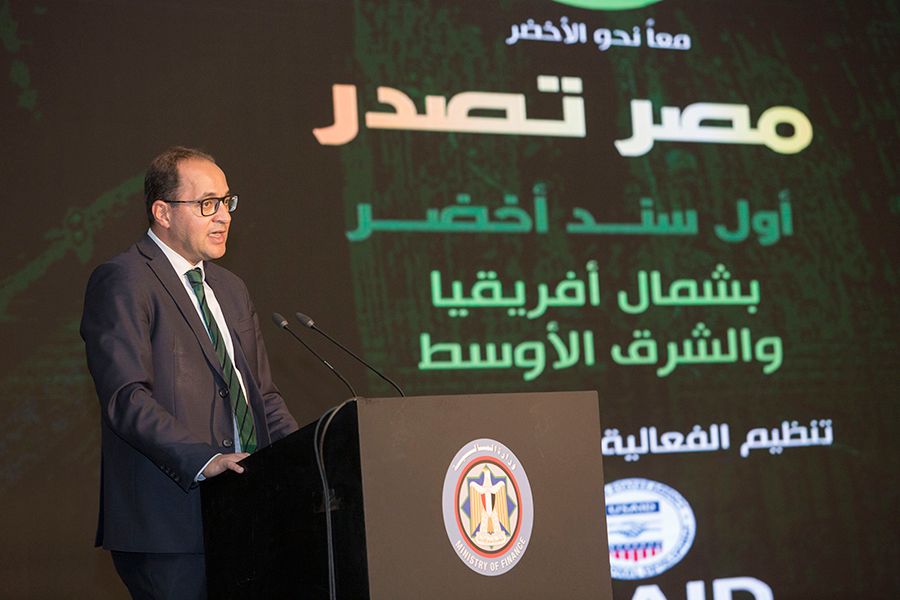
(169, 279)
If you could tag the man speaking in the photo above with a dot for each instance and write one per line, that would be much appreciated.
(175, 350)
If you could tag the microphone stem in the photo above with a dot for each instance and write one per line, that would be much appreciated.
(353, 354)
(327, 364)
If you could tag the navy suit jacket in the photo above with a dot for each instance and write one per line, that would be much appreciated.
(164, 404)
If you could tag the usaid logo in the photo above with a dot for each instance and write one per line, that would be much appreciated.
(650, 527)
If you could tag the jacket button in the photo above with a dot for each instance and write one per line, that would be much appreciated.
(227, 443)
(223, 392)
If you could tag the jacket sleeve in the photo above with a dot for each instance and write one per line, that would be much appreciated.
(279, 420)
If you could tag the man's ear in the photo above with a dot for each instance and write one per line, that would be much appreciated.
(162, 213)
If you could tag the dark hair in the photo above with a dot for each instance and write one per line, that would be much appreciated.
(161, 180)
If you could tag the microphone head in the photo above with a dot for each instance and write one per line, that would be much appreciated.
(279, 320)
(304, 320)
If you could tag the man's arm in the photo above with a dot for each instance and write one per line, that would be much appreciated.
(279, 420)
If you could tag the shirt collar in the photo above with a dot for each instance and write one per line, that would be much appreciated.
(178, 262)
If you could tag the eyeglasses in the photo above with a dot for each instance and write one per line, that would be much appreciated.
(210, 206)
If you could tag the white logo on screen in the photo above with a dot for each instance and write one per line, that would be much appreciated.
(651, 527)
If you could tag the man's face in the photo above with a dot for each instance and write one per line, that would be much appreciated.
(193, 236)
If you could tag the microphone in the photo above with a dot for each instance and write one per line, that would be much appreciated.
(308, 322)
(282, 323)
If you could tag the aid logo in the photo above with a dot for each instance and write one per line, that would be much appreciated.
(650, 526)
(487, 507)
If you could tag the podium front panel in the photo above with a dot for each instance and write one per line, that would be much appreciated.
(445, 477)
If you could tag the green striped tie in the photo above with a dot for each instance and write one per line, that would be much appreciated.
(242, 415)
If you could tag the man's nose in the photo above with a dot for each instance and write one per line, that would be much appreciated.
(222, 215)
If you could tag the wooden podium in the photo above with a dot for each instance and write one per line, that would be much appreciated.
(478, 496)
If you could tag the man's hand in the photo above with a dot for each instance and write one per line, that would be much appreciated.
(225, 462)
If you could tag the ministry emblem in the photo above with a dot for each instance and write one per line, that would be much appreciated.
(487, 506)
